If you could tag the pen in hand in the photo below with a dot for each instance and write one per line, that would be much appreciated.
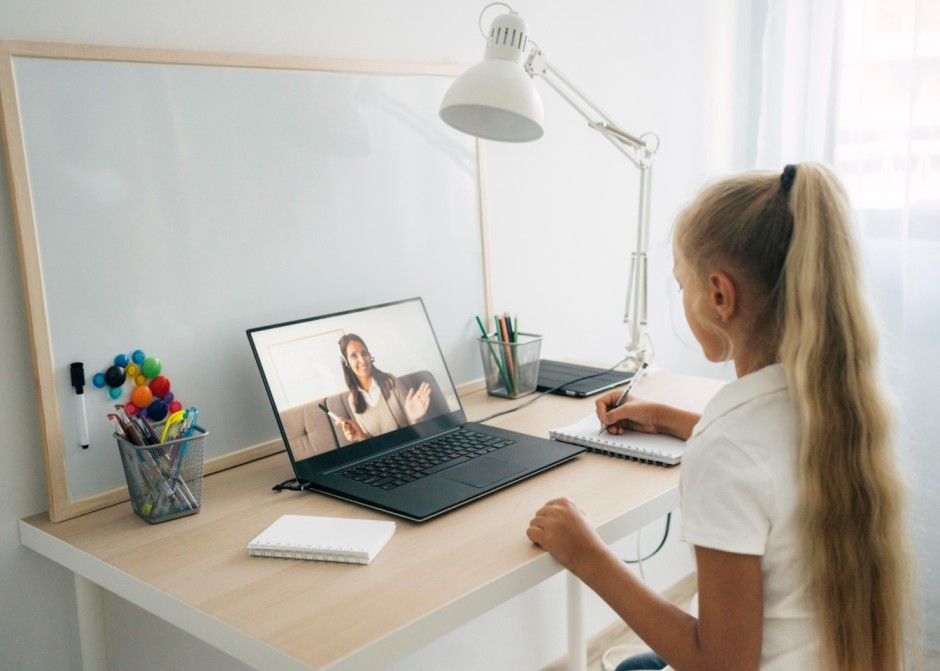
(341, 422)
(626, 390)
(336, 418)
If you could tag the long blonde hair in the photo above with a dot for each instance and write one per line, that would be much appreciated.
(791, 238)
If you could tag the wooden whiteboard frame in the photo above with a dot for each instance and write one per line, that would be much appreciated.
(61, 504)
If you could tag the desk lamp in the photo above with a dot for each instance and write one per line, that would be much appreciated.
(496, 99)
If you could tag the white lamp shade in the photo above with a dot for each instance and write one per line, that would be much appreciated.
(495, 100)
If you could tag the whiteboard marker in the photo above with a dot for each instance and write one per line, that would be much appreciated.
(77, 371)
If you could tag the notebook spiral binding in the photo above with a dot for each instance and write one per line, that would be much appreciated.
(628, 457)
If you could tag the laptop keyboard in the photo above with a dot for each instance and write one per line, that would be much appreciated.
(424, 459)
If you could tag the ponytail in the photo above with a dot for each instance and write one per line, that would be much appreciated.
(852, 500)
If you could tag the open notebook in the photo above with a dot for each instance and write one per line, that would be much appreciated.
(646, 447)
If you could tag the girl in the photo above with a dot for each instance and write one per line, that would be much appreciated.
(789, 493)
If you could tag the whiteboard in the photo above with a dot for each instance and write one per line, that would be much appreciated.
(306, 368)
(169, 201)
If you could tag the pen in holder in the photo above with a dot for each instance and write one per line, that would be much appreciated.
(511, 368)
(165, 479)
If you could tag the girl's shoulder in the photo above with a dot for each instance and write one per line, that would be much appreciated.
(756, 408)
(755, 443)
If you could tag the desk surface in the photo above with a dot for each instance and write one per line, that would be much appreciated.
(432, 577)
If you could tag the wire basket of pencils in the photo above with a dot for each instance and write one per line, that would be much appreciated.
(164, 478)
(511, 367)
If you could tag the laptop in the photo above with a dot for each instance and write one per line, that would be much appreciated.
(369, 414)
(576, 380)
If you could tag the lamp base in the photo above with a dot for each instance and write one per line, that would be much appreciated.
(638, 353)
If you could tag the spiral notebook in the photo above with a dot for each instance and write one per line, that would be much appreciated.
(351, 541)
(658, 448)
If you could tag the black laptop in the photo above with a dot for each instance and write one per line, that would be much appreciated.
(570, 379)
(369, 414)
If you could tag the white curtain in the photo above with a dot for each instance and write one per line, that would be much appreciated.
(799, 63)
(856, 84)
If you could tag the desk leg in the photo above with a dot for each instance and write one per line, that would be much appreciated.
(577, 643)
(91, 624)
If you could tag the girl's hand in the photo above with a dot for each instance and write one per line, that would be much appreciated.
(646, 416)
(564, 531)
(634, 415)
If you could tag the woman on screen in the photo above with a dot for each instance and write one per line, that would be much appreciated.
(379, 401)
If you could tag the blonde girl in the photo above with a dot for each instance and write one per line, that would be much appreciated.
(790, 496)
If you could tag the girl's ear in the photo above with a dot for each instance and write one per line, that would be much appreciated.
(722, 295)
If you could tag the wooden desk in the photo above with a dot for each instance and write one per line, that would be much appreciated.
(195, 572)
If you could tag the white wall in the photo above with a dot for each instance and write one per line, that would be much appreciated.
(563, 211)
(561, 215)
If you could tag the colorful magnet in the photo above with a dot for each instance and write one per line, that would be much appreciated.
(115, 376)
(158, 410)
(151, 366)
(141, 396)
(160, 386)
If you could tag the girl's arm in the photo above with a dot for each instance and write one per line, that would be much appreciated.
(635, 414)
(728, 631)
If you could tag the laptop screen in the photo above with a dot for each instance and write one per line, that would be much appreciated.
(353, 377)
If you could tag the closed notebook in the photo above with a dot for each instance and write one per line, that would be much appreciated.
(652, 448)
(352, 541)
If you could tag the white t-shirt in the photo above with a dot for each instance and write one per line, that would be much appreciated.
(739, 493)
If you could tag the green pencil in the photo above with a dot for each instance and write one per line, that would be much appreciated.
(499, 366)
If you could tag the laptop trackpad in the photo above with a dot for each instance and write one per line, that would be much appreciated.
(482, 472)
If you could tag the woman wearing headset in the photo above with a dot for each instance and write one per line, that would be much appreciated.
(379, 401)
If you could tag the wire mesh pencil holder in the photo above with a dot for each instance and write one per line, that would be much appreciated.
(511, 368)
(165, 480)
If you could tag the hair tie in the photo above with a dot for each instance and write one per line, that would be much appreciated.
(786, 179)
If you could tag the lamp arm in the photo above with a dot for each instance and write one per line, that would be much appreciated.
(636, 149)
(640, 152)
